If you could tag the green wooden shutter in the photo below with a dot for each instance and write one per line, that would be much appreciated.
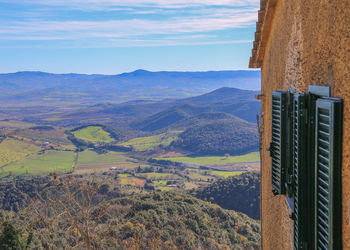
(314, 93)
(278, 145)
(328, 174)
(299, 187)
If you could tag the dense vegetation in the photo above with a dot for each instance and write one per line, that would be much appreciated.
(164, 220)
(168, 117)
(238, 193)
(219, 137)
(18, 193)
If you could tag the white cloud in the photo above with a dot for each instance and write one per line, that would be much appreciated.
(190, 26)
(131, 27)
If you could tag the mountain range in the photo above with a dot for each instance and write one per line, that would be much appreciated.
(40, 88)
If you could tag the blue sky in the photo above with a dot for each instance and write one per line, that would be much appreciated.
(115, 36)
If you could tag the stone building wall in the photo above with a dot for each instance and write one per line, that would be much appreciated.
(309, 43)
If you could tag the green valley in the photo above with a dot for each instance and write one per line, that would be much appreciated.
(153, 174)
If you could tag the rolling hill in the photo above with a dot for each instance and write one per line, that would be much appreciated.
(222, 136)
(168, 117)
(240, 103)
(224, 95)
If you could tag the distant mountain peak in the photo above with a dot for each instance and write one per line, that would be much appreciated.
(140, 72)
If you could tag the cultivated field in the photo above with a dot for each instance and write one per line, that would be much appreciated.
(215, 160)
(38, 164)
(93, 134)
(12, 150)
(151, 142)
(226, 174)
(52, 137)
(39, 152)
(89, 161)
(15, 124)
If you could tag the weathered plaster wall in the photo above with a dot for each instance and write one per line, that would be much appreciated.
(309, 44)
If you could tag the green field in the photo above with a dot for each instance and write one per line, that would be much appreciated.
(124, 175)
(226, 173)
(91, 158)
(151, 142)
(93, 134)
(215, 160)
(12, 150)
(50, 161)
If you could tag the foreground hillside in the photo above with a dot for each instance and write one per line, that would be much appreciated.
(239, 193)
(79, 214)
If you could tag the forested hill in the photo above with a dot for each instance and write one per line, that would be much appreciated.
(221, 136)
(238, 193)
(157, 220)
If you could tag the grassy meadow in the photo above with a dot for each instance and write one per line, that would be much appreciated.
(93, 134)
(151, 142)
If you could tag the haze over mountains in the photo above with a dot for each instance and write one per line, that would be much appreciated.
(39, 88)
